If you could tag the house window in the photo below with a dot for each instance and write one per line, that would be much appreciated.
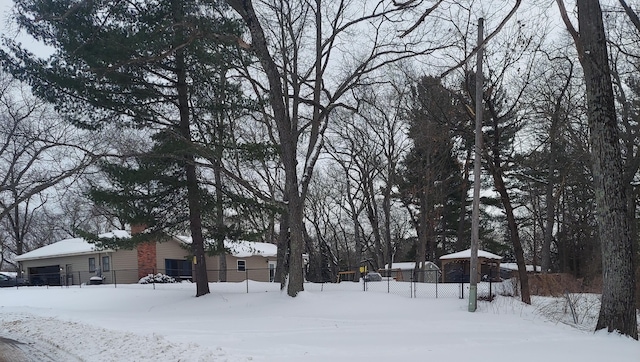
(92, 265)
(106, 266)
(242, 265)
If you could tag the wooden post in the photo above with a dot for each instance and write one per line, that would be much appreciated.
(475, 217)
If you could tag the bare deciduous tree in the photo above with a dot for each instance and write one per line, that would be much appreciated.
(312, 61)
(618, 307)
(37, 152)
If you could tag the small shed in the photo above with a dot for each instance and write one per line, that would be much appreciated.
(406, 271)
(456, 266)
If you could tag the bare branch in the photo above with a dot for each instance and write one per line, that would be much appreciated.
(422, 18)
(572, 30)
(486, 40)
(630, 13)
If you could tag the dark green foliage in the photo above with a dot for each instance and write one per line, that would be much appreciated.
(114, 61)
(149, 189)
(124, 63)
(430, 173)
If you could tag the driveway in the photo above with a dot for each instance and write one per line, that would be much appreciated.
(14, 351)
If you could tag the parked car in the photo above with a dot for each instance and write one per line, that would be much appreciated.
(10, 280)
(373, 277)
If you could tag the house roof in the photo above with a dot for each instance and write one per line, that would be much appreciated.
(466, 254)
(70, 247)
(80, 246)
(242, 248)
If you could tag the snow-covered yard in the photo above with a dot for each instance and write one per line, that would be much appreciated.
(334, 323)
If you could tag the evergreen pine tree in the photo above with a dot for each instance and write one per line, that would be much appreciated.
(431, 176)
(140, 65)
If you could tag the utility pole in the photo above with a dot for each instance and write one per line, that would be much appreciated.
(475, 214)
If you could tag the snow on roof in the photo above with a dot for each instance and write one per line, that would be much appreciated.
(407, 265)
(467, 254)
(514, 266)
(243, 248)
(67, 247)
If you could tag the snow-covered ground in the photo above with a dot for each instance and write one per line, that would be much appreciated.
(330, 323)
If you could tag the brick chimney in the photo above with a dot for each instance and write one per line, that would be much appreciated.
(146, 253)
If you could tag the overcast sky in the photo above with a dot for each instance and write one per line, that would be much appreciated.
(9, 29)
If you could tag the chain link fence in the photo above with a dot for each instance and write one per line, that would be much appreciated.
(410, 284)
(256, 280)
(151, 276)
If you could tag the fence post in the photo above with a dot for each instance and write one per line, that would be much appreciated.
(415, 288)
(246, 277)
(462, 290)
(154, 278)
(436, 273)
(411, 285)
(388, 281)
(79, 280)
(115, 282)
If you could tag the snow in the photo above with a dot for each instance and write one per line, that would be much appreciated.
(410, 265)
(242, 248)
(514, 266)
(69, 247)
(80, 246)
(337, 322)
(467, 254)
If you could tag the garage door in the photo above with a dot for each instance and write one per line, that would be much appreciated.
(45, 275)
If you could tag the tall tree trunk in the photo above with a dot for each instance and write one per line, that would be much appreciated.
(296, 247)
(550, 202)
(288, 137)
(374, 218)
(282, 258)
(551, 199)
(217, 175)
(513, 234)
(386, 207)
(386, 203)
(220, 232)
(423, 235)
(356, 233)
(618, 309)
(495, 165)
(314, 265)
(193, 189)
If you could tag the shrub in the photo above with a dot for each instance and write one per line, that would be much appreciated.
(158, 278)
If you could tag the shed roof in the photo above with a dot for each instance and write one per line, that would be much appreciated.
(466, 254)
(70, 247)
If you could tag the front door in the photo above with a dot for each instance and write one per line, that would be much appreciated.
(178, 268)
(69, 273)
